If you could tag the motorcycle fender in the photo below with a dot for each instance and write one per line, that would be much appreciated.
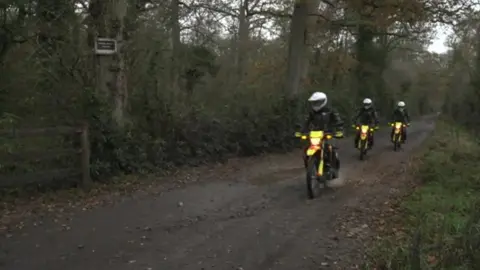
(363, 136)
(312, 150)
(320, 168)
(397, 131)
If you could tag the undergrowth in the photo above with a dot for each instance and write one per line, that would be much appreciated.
(440, 220)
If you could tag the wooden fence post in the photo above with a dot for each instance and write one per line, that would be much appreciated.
(85, 159)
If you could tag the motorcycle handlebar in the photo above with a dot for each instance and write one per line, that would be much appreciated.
(307, 135)
(393, 123)
(370, 126)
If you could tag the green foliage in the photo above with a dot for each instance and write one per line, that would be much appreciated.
(189, 134)
(199, 61)
(442, 216)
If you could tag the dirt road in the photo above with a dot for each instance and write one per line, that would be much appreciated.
(256, 219)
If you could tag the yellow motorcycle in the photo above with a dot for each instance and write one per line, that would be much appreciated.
(318, 171)
(397, 135)
(363, 141)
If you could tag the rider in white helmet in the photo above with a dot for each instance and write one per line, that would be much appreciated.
(322, 117)
(366, 115)
(400, 114)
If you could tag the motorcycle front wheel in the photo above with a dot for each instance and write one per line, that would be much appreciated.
(363, 150)
(396, 143)
(313, 183)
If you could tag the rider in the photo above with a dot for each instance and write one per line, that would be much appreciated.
(366, 115)
(400, 114)
(324, 118)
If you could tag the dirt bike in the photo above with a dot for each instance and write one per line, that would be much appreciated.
(363, 141)
(318, 171)
(397, 135)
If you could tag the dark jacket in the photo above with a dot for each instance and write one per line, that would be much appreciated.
(366, 116)
(400, 116)
(327, 119)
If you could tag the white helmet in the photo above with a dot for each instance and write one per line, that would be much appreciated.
(367, 103)
(401, 105)
(318, 100)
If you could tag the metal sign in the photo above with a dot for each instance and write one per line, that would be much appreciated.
(105, 46)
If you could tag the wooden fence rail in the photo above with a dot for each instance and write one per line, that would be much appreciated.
(41, 177)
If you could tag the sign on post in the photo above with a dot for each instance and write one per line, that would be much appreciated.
(105, 46)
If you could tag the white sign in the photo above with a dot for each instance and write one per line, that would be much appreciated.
(105, 46)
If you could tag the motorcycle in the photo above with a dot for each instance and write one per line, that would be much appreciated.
(363, 141)
(397, 135)
(318, 171)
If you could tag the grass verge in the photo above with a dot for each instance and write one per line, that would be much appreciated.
(438, 224)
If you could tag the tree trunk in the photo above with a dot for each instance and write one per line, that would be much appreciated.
(297, 48)
(387, 97)
(364, 73)
(108, 21)
(310, 38)
(243, 38)
(175, 45)
(297, 67)
(476, 77)
(120, 91)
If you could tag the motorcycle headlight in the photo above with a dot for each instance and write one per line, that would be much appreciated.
(315, 141)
